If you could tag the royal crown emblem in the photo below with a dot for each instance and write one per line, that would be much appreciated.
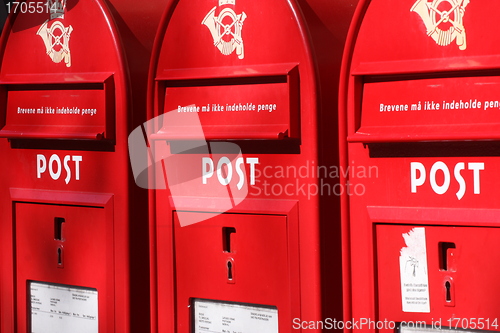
(226, 28)
(57, 8)
(56, 37)
(443, 20)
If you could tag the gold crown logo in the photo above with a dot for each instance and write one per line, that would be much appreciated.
(227, 2)
(57, 8)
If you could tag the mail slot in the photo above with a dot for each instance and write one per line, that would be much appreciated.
(246, 234)
(74, 231)
(418, 108)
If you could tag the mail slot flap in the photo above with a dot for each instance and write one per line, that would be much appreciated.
(268, 70)
(55, 78)
(251, 102)
(58, 106)
(443, 108)
(427, 65)
(237, 132)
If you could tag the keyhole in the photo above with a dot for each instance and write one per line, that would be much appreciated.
(229, 270)
(447, 285)
(59, 256)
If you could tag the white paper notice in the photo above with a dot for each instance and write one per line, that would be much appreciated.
(414, 273)
(219, 317)
(62, 309)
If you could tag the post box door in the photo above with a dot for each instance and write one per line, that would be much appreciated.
(229, 262)
(64, 261)
(443, 275)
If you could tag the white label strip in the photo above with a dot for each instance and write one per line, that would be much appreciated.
(219, 317)
(62, 309)
(414, 273)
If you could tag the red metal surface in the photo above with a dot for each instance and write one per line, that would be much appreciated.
(430, 167)
(70, 106)
(469, 303)
(201, 246)
(95, 57)
(289, 57)
(38, 248)
(429, 109)
(268, 91)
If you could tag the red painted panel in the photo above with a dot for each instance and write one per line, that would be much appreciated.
(461, 277)
(55, 113)
(403, 36)
(84, 243)
(254, 110)
(448, 108)
(260, 263)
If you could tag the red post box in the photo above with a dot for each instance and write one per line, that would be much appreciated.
(419, 118)
(73, 230)
(246, 235)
